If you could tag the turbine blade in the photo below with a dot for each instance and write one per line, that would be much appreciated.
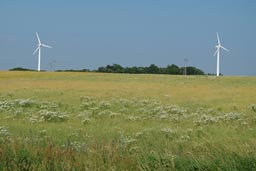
(46, 46)
(218, 38)
(38, 39)
(218, 49)
(36, 50)
(225, 49)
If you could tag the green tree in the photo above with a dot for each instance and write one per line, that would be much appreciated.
(193, 71)
(173, 69)
(152, 69)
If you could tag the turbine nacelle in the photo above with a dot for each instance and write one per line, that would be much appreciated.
(217, 46)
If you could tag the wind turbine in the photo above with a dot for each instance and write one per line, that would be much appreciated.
(39, 45)
(218, 47)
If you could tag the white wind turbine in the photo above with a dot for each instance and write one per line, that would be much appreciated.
(39, 45)
(218, 47)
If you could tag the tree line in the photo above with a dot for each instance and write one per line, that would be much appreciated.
(152, 69)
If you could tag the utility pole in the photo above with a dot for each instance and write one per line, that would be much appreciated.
(185, 67)
(52, 65)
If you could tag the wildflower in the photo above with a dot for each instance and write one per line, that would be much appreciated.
(86, 121)
(4, 132)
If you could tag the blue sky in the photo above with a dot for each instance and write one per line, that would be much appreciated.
(93, 33)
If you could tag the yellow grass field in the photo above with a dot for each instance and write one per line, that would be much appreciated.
(95, 121)
(198, 91)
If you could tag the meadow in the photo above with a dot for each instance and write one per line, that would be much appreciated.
(93, 121)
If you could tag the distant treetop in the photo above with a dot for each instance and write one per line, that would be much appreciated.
(152, 69)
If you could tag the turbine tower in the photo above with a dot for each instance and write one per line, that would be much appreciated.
(218, 47)
(39, 45)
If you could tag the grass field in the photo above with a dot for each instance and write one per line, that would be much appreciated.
(93, 121)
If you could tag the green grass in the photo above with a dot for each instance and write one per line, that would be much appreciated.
(89, 121)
